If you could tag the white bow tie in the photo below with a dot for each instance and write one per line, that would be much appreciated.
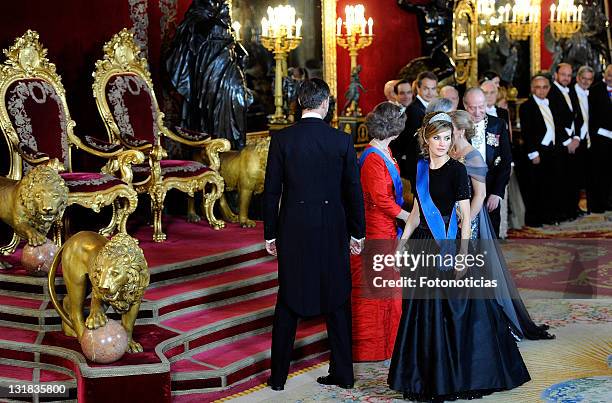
(541, 101)
(490, 109)
(564, 90)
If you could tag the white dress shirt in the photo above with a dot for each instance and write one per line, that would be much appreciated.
(583, 100)
(549, 137)
(311, 115)
(492, 110)
(424, 102)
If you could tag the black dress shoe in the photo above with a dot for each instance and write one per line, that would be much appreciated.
(275, 386)
(330, 380)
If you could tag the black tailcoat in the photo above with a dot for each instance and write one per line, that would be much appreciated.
(312, 170)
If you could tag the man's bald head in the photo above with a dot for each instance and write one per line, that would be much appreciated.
(449, 92)
(390, 90)
(474, 102)
(490, 91)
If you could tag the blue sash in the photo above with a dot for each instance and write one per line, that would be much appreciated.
(395, 176)
(434, 219)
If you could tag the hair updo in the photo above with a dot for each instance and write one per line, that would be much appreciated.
(386, 120)
(430, 129)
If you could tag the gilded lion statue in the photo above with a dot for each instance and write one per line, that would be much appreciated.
(31, 205)
(118, 273)
(244, 171)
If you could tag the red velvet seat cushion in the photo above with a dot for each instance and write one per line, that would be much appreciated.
(38, 117)
(89, 182)
(131, 103)
(171, 168)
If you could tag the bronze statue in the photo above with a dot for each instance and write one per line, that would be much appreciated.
(351, 106)
(31, 205)
(434, 19)
(206, 66)
(118, 273)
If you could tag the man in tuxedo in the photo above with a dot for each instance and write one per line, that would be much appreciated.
(492, 141)
(389, 91)
(600, 130)
(449, 92)
(405, 147)
(403, 92)
(312, 171)
(579, 94)
(491, 90)
(544, 148)
(564, 115)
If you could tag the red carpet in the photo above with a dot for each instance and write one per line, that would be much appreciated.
(205, 322)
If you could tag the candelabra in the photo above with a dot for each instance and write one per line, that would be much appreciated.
(489, 20)
(565, 19)
(524, 21)
(280, 34)
(354, 39)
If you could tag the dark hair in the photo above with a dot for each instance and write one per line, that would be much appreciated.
(425, 74)
(386, 120)
(312, 93)
(490, 75)
(540, 75)
(402, 81)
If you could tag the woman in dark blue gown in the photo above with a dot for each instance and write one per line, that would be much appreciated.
(449, 347)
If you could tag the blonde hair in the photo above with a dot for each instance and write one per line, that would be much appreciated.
(463, 120)
(428, 130)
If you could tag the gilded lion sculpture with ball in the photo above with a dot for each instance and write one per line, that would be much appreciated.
(118, 273)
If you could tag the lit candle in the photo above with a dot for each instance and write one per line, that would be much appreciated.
(514, 13)
(264, 27)
(363, 27)
(370, 23)
(552, 13)
(575, 14)
(507, 12)
(298, 27)
(339, 26)
(580, 13)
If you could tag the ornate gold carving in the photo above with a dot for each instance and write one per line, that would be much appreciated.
(27, 59)
(330, 74)
(121, 56)
(118, 273)
(535, 48)
(31, 205)
(465, 52)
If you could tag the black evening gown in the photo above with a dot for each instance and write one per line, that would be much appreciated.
(452, 348)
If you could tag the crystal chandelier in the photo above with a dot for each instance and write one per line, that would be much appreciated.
(489, 20)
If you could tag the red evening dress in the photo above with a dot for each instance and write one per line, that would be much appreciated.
(375, 319)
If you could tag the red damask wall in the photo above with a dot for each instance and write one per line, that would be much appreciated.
(396, 42)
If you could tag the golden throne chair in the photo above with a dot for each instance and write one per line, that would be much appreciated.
(36, 122)
(126, 101)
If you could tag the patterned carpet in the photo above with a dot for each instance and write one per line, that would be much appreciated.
(591, 226)
(572, 368)
(575, 367)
